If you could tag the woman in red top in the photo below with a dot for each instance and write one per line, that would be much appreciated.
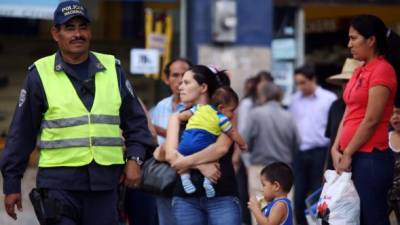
(361, 145)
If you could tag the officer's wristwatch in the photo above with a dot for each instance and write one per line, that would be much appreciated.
(137, 159)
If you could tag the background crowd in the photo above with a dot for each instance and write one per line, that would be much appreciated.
(317, 129)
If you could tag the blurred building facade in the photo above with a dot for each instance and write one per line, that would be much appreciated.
(119, 25)
(324, 27)
(242, 36)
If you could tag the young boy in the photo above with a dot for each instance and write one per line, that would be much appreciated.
(277, 180)
(205, 124)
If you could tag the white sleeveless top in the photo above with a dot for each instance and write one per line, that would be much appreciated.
(390, 144)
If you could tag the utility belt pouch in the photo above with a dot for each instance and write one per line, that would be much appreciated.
(48, 210)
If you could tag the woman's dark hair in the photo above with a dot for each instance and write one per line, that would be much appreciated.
(264, 75)
(306, 70)
(167, 68)
(252, 91)
(279, 172)
(387, 41)
(370, 25)
(214, 80)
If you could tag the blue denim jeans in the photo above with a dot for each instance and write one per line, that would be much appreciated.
(164, 209)
(207, 211)
(373, 176)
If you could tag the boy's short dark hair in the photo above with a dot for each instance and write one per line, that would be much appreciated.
(224, 95)
(279, 172)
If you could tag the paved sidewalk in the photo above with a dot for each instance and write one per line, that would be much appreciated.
(27, 217)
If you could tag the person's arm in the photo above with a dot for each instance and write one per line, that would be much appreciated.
(217, 150)
(185, 115)
(134, 126)
(172, 139)
(209, 170)
(160, 131)
(211, 153)
(377, 100)
(336, 154)
(233, 133)
(156, 115)
(221, 147)
(236, 159)
(277, 215)
(150, 125)
(21, 139)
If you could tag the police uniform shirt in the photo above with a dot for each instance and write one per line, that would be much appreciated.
(25, 127)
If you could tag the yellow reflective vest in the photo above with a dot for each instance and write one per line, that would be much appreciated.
(70, 134)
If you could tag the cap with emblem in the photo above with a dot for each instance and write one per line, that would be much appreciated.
(69, 9)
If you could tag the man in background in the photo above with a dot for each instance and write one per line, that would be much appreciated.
(309, 107)
(160, 114)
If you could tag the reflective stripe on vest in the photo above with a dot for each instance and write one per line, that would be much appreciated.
(80, 142)
(59, 123)
(70, 134)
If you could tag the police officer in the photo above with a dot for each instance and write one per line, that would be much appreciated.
(74, 105)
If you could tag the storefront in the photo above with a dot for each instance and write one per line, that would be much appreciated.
(319, 31)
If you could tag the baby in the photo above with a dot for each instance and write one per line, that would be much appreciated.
(205, 124)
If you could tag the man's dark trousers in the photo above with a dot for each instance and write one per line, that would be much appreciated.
(88, 207)
(308, 170)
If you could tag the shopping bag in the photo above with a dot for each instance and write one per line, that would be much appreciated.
(339, 203)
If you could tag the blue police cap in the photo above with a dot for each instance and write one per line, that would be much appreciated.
(69, 9)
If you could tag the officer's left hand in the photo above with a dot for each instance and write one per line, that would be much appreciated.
(10, 201)
(131, 174)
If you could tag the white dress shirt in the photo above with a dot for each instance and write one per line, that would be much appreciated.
(311, 115)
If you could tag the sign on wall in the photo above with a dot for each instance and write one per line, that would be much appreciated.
(37, 9)
(282, 71)
(144, 61)
(284, 48)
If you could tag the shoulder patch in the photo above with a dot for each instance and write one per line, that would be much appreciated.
(22, 98)
(31, 67)
(129, 87)
(118, 62)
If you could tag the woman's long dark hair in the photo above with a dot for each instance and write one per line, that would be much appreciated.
(370, 25)
(252, 91)
(213, 78)
(387, 42)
